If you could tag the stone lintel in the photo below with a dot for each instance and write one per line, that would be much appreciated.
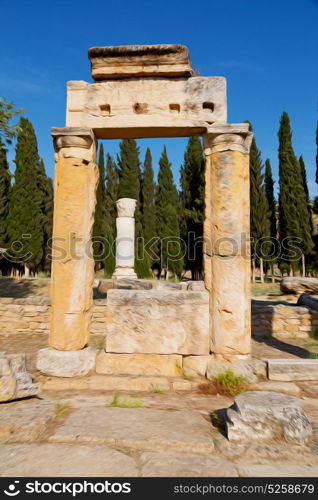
(147, 107)
(169, 60)
(228, 137)
(74, 142)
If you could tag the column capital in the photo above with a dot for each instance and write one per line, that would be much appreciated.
(126, 207)
(74, 142)
(228, 137)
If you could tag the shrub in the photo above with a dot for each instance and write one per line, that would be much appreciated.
(225, 383)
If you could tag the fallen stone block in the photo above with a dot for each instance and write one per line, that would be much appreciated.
(15, 381)
(288, 370)
(299, 285)
(264, 415)
(308, 301)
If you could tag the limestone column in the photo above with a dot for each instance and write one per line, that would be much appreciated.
(227, 240)
(125, 239)
(75, 184)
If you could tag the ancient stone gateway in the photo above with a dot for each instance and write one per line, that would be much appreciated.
(140, 92)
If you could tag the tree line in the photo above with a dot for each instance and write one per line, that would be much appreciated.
(282, 230)
(26, 205)
(164, 216)
(168, 221)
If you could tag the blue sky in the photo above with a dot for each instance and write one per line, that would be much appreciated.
(266, 50)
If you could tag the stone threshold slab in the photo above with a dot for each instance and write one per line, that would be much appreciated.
(138, 429)
(25, 420)
(288, 370)
(118, 383)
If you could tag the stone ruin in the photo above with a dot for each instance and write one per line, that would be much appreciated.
(140, 92)
(15, 381)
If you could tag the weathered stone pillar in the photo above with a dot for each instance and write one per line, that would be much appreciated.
(227, 240)
(75, 184)
(125, 239)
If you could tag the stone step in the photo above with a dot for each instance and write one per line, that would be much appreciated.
(278, 469)
(166, 365)
(138, 429)
(118, 383)
(288, 370)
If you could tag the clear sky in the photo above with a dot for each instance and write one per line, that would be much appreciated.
(267, 50)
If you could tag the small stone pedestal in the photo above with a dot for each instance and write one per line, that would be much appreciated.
(125, 239)
(66, 363)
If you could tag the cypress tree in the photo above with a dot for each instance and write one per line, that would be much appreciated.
(294, 220)
(99, 228)
(111, 192)
(269, 190)
(304, 177)
(129, 187)
(168, 209)
(148, 188)
(26, 200)
(259, 210)
(111, 196)
(317, 153)
(45, 187)
(192, 202)
(271, 202)
(7, 112)
(5, 181)
(129, 170)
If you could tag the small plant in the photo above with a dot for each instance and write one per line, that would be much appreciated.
(226, 384)
(101, 344)
(218, 421)
(157, 389)
(117, 402)
(62, 410)
(314, 333)
(313, 355)
(188, 377)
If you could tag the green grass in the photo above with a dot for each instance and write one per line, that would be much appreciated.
(101, 344)
(62, 410)
(117, 402)
(218, 421)
(262, 289)
(226, 384)
(313, 355)
(314, 334)
(156, 389)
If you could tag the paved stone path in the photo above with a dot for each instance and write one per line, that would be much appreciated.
(169, 435)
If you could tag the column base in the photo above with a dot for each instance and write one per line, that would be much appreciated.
(66, 363)
(124, 272)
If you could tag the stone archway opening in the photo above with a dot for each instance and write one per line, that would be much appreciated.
(141, 92)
